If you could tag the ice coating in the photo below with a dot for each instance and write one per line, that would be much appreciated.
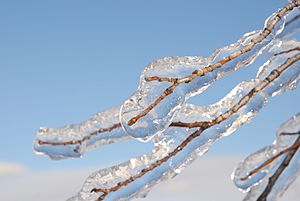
(256, 184)
(72, 141)
(292, 24)
(55, 146)
(142, 120)
(177, 147)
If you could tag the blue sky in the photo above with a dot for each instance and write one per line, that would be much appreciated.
(62, 61)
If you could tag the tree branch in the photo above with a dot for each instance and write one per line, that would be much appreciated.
(270, 160)
(201, 72)
(273, 179)
(202, 124)
(101, 130)
(243, 101)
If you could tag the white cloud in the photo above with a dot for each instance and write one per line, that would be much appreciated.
(7, 168)
(207, 179)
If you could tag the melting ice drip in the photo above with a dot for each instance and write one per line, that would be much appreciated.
(167, 122)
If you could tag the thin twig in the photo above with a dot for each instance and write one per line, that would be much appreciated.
(161, 79)
(205, 124)
(243, 101)
(167, 92)
(270, 160)
(201, 72)
(202, 124)
(295, 133)
(273, 179)
(288, 51)
(101, 130)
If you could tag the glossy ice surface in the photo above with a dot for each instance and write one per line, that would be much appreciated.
(176, 147)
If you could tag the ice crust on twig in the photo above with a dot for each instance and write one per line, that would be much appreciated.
(133, 178)
(72, 141)
(256, 184)
(176, 145)
(151, 108)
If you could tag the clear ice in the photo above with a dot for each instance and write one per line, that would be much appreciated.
(168, 158)
(160, 117)
(169, 140)
(72, 141)
(256, 183)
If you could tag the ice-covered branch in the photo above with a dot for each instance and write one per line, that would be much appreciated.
(181, 132)
(270, 160)
(74, 140)
(152, 107)
(267, 173)
(104, 127)
(274, 178)
(177, 147)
